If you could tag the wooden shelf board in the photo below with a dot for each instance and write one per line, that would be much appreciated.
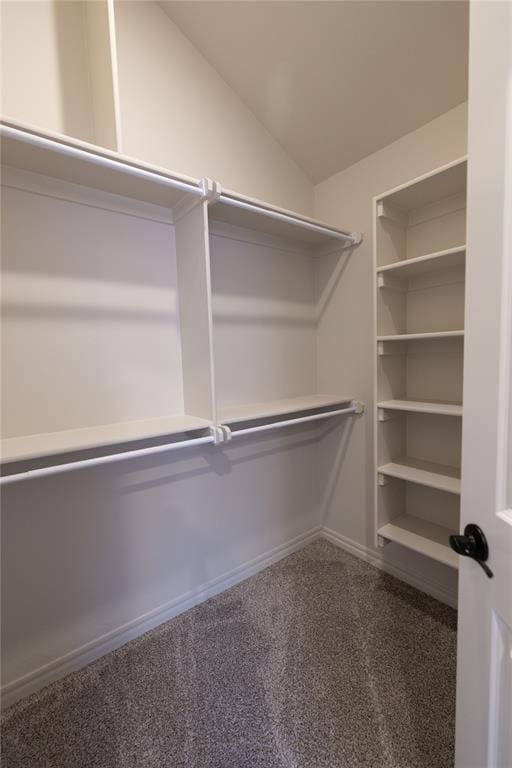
(288, 230)
(84, 438)
(253, 411)
(439, 476)
(420, 336)
(422, 406)
(42, 156)
(421, 536)
(431, 262)
(441, 183)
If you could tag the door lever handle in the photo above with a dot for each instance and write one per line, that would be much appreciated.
(472, 544)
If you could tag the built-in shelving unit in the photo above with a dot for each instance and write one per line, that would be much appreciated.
(165, 303)
(150, 316)
(419, 247)
(97, 348)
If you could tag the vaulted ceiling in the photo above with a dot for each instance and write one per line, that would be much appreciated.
(335, 81)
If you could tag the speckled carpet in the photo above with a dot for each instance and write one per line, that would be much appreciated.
(320, 661)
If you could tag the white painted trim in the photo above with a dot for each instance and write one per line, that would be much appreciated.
(80, 657)
(370, 556)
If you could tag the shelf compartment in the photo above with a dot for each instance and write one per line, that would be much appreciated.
(254, 411)
(450, 258)
(95, 335)
(85, 438)
(421, 536)
(432, 475)
(422, 406)
(405, 302)
(264, 321)
(424, 216)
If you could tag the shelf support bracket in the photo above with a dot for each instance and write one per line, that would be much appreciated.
(391, 348)
(391, 281)
(226, 432)
(387, 211)
(389, 415)
(384, 480)
(217, 434)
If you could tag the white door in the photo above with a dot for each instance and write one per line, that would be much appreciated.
(484, 674)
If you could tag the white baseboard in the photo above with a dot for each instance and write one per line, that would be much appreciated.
(431, 588)
(80, 657)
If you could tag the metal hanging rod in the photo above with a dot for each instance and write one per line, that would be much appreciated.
(58, 469)
(355, 407)
(354, 238)
(94, 157)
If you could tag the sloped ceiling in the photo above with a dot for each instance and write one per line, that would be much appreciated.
(335, 81)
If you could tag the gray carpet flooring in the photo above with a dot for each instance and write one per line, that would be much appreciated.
(320, 661)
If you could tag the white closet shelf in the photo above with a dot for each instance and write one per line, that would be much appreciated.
(420, 336)
(47, 444)
(422, 406)
(245, 212)
(433, 475)
(421, 536)
(430, 188)
(431, 262)
(254, 411)
(88, 165)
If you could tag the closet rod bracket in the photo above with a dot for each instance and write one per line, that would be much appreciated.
(218, 435)
(208, 191)
(211, 190)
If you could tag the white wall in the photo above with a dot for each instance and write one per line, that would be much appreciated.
(44, 58)
(178, 112)
(345, 340)
(113, 550)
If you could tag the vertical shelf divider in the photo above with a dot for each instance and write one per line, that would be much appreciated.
(195, 308)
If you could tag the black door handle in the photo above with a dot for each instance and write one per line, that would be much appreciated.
(472, 544)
